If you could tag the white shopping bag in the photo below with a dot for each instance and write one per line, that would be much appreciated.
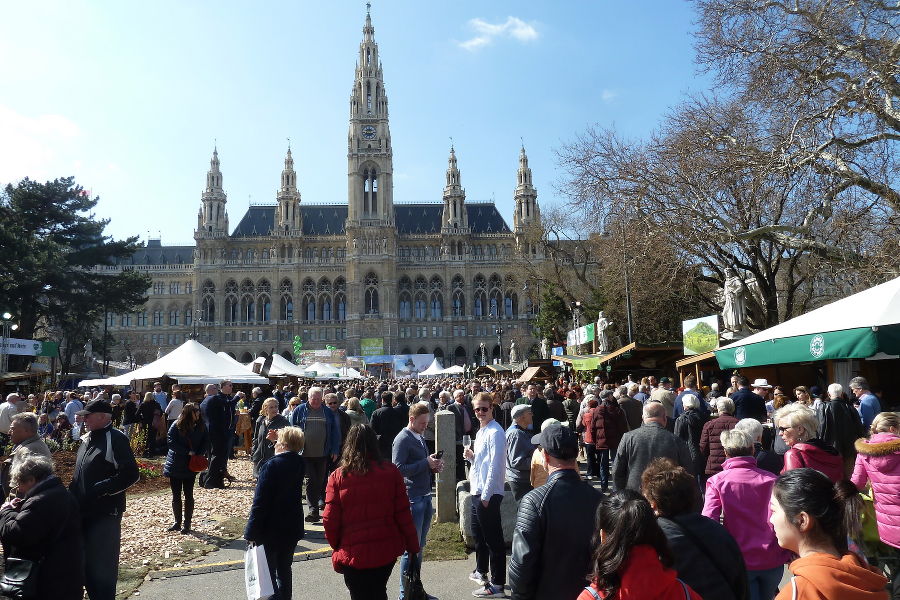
(256, 574)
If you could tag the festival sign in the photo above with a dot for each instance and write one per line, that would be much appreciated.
(700, 335)
(28, 347)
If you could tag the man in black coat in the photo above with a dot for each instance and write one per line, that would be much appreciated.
(215, 412)
(104, 469)
(383, 423)
(748, 405)
(551, 548)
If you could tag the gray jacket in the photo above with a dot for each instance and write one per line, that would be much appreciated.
(519, 450)
(640, 446)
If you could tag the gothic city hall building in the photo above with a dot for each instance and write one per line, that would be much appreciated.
(373, 276)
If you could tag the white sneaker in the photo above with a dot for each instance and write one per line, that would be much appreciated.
(478, 577)
(489, 591)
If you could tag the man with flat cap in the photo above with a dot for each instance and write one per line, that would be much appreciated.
(519, 451)
(104, 469)
(551, 548)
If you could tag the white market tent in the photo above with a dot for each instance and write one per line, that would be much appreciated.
(192, 362)
(280, 366)
(454, 370)
(350, 373)
(433, 369)
(321, 370)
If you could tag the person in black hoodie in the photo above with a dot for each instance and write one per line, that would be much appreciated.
(104, 469)
(43, 523)
(707, 557)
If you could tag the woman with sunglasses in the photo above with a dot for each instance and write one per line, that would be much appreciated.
(798, 427)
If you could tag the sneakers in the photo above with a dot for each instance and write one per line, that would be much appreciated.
(489, 591)
(478, 577)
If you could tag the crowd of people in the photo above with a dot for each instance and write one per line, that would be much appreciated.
(685, 493)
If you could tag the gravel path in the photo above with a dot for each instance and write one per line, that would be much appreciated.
(217, 514)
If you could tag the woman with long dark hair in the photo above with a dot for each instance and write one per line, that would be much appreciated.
(367, 517)
(632, 559)
(187, 436)
(813, 518)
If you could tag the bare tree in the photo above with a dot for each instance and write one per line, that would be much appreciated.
(830, 67)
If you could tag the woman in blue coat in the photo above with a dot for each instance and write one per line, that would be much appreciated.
(276, 517)
(187, 437)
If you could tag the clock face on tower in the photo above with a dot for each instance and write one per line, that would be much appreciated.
(368, 132)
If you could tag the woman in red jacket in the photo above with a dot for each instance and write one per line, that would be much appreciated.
(609, 425)
(798, 426)
(367, 517)
(632, 560)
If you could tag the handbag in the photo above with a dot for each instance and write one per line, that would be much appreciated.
(196, 462)
(257, 578)
(412, 580)
(20, 578)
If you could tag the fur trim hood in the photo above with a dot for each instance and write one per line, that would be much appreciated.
(880, 444)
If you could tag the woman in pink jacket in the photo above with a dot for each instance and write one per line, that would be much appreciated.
(878, 461)
(738, 496)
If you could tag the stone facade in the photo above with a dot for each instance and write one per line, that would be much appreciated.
(421, 278)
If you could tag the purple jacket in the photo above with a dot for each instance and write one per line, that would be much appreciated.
(878, 461)
(739, 495)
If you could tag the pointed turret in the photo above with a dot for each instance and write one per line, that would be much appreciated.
(527, 210)
(455, 215)
(213, 220)
(369, 139)
(288, 219)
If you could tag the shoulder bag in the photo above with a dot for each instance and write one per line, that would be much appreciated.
(20, 576)
(196, 462)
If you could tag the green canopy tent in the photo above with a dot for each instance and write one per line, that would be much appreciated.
(860, 326)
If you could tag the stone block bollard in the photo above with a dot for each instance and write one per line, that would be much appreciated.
(445, 439)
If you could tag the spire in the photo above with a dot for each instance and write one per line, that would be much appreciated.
(288, 175)
(287, 215)
(527, 210)
(214, 175)
(454, 216)
(212, 220)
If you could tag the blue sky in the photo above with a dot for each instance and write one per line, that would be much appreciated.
(129, 97)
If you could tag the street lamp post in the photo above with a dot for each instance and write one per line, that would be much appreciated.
(8, 326)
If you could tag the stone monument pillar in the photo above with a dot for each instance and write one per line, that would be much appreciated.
(445, 439)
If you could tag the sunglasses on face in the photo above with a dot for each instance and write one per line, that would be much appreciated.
(481, 409)
(783, 429)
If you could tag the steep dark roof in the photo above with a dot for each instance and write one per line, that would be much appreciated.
(328, 219)
(155, 254)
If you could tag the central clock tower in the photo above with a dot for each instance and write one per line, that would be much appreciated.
(369, 154)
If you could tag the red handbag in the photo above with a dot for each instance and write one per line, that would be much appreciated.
(196, 462)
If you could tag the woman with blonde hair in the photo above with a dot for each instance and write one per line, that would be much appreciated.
(266, 433)
(355, 412)
(276, 516)
(798, 427)
(878, 462)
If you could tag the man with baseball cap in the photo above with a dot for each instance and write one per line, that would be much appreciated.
(551, 548)
(104, 469)
(519, 450)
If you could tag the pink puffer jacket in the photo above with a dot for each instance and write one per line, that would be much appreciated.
(878, 461)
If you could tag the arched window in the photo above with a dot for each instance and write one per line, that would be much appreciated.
(208, 307)
(265, 309)
(405, 306)
(420, 306)
(370, 298)
(459, 304)
(325, 308)
(248, 310)
(437, 305)
(479, 304)
(310, 305)
(340, 304)
(287, 309)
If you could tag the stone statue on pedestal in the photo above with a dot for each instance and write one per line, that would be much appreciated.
(513, 354)
(545, 348)
(602, 340)
(734, 306)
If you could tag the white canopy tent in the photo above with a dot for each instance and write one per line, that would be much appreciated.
(454, 370)
(321, 370)
(280, 366)
(433, 369)
(192, 362)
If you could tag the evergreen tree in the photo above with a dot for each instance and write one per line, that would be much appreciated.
(51, 243)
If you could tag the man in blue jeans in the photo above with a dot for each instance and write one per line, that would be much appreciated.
(410, 453)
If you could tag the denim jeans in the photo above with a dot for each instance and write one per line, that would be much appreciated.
(603, 455)
(422, 512)
(763, 584)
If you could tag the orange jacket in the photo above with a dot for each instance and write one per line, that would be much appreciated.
(824, 577)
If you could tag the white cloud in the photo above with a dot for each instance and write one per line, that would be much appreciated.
(33, 146)
(486, 33)
(607, 95)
